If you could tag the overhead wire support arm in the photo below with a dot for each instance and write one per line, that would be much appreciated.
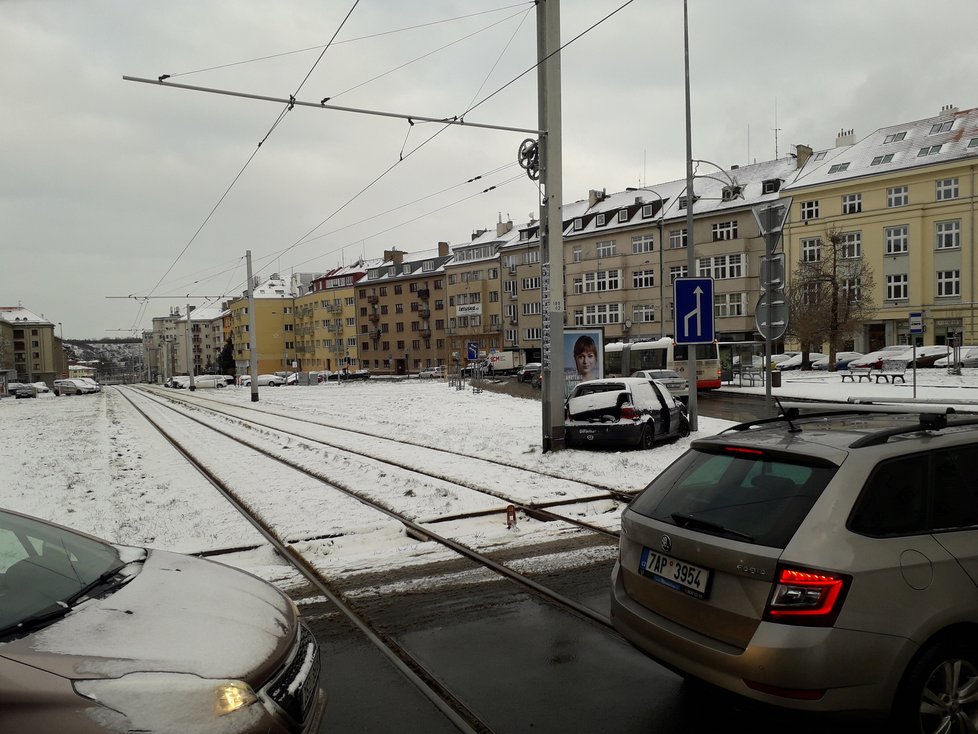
(291, 101)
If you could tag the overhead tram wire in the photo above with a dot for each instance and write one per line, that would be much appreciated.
(254, 153)
(349, 40)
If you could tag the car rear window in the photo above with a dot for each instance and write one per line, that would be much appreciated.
(751, 497)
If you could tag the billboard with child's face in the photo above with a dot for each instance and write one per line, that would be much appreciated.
(583, 356)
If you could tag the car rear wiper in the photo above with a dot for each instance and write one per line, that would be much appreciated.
(688, 521)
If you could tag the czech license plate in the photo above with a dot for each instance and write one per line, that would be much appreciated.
(679, 575)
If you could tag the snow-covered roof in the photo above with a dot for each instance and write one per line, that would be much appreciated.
(949, 136)
(19, 314)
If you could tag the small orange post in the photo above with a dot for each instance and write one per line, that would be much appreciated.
(510, 516)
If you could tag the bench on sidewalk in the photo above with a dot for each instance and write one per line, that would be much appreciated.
(893, 370)
(753, 374)
(858, 374)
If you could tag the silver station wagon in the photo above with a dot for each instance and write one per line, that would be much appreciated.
(825, 560)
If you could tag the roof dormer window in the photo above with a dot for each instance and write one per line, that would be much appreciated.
(599, 220)
(771, 186)
(622, 215)
(578, 224)
(895, 137)
(941, 127)
(839, 167)
(882, 159)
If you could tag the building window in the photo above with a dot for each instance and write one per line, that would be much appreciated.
(605, 248)
(948, 234)
(647, 211)
(882, 159)
(623, 215)
(947, 188)
(852, 203)
(724, 231)
(602, 313)
(720, 267)
(643, 313)
(897, 240)
(677, 239)
(897, 287)
(677, 271)
(809, 209)
(852, 245)
(599, 220)
(895, 137)
(578, 255)
(897, 196)
(530, 284)
(929, 150)
(948, 283)
(728, 304)
(941, 127)
(852, 289)
(771, 186)
(973, 143)
(820, 156)
(532, 308)
(811, 250)
(602, 280)
(642, 243)
(839, 167)
(643, 279)
(578, 224)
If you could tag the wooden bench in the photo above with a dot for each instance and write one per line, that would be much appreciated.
(892, 370)
(858, 374)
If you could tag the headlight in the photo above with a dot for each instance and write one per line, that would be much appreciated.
(172, 701)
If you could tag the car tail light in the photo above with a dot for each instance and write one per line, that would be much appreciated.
(805, 596)
(628, 412)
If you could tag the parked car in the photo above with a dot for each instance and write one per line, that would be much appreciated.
(13, 387)
(677, 384)
(264, 380)
(926, 356)
(436, 371)
(842, 360)
(825, 564)
(72, 386)
(622, 411)
(875, 359)
(968, 357)
(208, 381)
(41, 387)
(180, 382)
(99, 637)
(528, 371)
(794, 362)
(25, 391)
(95, 385)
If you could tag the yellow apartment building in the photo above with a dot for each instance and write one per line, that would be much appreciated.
(30, 351)
(904, 200)
(275, 325)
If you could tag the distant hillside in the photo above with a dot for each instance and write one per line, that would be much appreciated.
(113, 355)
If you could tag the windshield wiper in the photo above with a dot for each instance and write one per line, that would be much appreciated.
(36, 621)
(689, 521)
(92, 585)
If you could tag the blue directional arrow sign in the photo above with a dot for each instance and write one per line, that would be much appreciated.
(693, 299)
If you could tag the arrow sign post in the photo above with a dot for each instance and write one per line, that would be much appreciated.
(693, 299)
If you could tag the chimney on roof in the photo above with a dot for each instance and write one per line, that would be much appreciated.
(442, 249)
(845, 137)
(477, 233)
(594, 196)
(394, 256)
(503, 227)
(802, 154)
(949, 109)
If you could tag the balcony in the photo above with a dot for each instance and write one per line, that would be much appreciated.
(375, 334)
(425, 333)
(374, 316)
(337, 326)
(424, 294)
(425, 313)
(373, 300)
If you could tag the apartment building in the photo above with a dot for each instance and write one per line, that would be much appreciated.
(327, 330)
(623, 251)
(903, 198)
(275, 327)
(522, 314)
(30, 351)
(476, 301)
(398, 303)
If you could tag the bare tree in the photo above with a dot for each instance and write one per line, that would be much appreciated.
(831, 292)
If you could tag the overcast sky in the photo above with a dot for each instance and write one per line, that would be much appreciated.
(114, 188)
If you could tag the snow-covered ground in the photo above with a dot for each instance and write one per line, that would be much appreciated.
(90, 462)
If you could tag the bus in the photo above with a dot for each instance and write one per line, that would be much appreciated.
(624, 358)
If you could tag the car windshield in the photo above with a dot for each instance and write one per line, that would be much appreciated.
(44, 566)
(746, 497)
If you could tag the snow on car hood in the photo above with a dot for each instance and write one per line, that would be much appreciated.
(179, 614)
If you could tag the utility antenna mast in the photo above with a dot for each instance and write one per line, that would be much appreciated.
(776, 128)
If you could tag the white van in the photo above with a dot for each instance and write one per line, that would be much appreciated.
(203, 381)
(72, 386)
